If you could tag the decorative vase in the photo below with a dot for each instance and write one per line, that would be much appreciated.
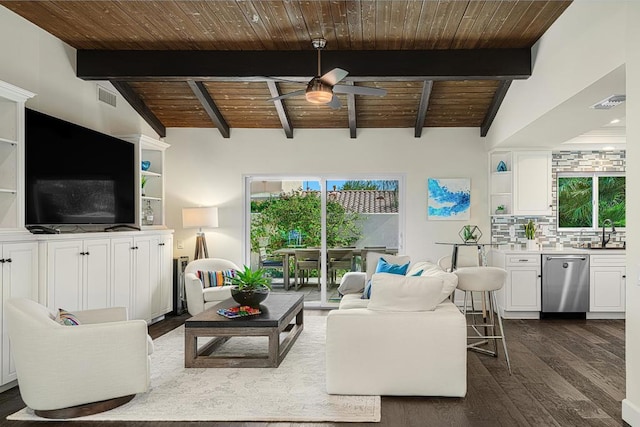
(145, 165)
(250, 297)
(502, 166)
(532, 245)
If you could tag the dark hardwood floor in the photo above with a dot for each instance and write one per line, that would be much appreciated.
(565, 373)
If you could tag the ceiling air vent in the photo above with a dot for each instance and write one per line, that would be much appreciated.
(609, 102)
(106, 96)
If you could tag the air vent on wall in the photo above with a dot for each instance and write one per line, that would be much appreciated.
(609, 102)
(106, 96)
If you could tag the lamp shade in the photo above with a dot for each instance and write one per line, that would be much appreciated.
(201, 217)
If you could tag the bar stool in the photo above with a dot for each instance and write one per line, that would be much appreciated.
(486, 280)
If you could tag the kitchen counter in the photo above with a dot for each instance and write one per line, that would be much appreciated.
(551, 249)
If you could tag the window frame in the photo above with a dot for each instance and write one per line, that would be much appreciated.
(594, 197)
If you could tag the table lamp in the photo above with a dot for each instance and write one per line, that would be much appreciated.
(201, 217)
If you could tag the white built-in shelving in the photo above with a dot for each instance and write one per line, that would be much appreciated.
(151, 150)
(12, 100)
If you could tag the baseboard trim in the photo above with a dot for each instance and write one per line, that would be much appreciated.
(8, 386)
(630, 413)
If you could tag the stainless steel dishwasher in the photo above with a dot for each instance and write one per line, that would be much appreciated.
(565, 283)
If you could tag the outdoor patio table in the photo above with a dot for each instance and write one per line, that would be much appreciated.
(289, 252)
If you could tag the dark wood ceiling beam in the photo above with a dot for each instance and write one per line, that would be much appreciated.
(422, 109)
(351, 110)
(501, 91)
(200, 91)
(282, 112)
(363, 65)
(141, 108)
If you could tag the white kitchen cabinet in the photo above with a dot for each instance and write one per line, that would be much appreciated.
(520, 296)
(532, 183)
(607, 283)
(78, 274)
(19, 279)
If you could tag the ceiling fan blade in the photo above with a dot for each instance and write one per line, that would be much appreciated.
(359, 90)
(334, 76)
(288, 95)
(334, 103)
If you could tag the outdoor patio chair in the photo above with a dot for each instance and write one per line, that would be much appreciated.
(270, 261)
(306, 261)
(363, 255)
(338, 259)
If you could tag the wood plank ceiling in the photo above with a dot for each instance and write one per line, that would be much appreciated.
(171, 91)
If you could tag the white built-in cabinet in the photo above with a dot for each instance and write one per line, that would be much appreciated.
(145, 261)
(607, 283)
(525, 187)
(133, 271)
(151, 150)
(520, 297)
(19, 279)
(12, 100)
(78, 274)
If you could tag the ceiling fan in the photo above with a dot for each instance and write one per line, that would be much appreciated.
(322, 89)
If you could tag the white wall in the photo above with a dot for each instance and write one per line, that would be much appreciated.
(631, 405)
(35, 60)
(585, 44)
(205, 169)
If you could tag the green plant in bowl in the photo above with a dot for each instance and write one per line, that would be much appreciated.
(248, 279)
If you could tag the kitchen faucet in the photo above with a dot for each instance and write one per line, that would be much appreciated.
(613, 231)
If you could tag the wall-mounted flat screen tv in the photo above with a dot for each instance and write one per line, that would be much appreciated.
(74, 175)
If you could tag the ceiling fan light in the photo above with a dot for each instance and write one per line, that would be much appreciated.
(318, 93)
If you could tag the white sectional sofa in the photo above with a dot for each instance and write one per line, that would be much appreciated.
(407, 340)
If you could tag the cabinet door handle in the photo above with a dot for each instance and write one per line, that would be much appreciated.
(2, 261)
(523, 260)
(539, 275)
(160, 244)
(86, 253)
(624, 276)
(81, 253)
(8, 260)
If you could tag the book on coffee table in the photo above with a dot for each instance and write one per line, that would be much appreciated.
(239, 311)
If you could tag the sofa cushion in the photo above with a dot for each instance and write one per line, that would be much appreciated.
(374, 257)
(66, 318)
(211, 279)
(216, 294)
(450, 280)
(367, 290)
(353, 301)
(393, 292)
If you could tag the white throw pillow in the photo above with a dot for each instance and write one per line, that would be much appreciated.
(432, 270)
(393, 292)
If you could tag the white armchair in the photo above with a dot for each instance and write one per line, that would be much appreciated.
(200, 298)
(70, 371)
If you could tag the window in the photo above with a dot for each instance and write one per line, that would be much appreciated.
(586, 200)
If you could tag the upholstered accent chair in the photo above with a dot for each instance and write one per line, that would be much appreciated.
(199, 297)
(70, 371)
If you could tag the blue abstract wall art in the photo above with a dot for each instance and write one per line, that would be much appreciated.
(449, 198)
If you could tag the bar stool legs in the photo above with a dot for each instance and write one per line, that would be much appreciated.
(488, 324)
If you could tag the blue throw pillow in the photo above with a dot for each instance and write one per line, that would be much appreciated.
(385, 267)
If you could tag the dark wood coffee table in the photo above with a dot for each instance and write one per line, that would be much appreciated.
(277, 313)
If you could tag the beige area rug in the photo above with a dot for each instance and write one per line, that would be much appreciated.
(295, 391)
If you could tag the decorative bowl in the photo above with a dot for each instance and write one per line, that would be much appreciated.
(252, 297)
(145, 165)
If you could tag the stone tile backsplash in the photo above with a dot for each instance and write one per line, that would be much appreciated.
(548, 234)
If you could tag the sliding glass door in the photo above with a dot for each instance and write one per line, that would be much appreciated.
(307, 232)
